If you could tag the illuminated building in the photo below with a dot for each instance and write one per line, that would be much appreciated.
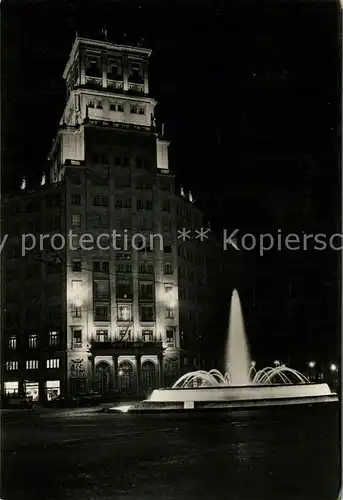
(107, 318)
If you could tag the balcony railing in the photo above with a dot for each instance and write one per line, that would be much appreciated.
(129, 344)
(102, 295)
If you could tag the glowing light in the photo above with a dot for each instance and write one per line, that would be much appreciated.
(123, 409)
(77, 293)
(23, 184)
(253, 364)
(42, 182)
(312, 364)
(120, 372)
(125, 313)
(277, 362)
(169, 297)
(333, 367)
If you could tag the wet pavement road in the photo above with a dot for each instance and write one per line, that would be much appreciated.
(283, 454)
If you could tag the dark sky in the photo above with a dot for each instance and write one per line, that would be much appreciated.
(250, 96)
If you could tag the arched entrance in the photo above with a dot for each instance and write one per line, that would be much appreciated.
(125, 378)
(148, 374)
(103, 377)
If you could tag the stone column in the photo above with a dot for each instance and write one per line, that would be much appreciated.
(160, 370)
(125, 74)
(92, 372)
(115, 371)
(138, 362)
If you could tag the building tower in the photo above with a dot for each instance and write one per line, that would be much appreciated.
(114, 166)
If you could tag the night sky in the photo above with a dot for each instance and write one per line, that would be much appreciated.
(250, 99)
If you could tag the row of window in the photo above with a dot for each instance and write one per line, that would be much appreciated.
(103, 267)
(124, 312)
(135, 109)
(32, 340)
(124, 334)
(102, 201)
(102, 178)
(33, 364)
(53, 200)
(187, 254)
(95, 65)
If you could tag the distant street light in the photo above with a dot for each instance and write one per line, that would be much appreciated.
(253, 364)
(277, 362)
(333, 367)
(311, 364)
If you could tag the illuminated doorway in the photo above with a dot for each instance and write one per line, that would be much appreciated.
(52, 389)
(126, 376)
(32, 391)
(103, 377)
(148, 374)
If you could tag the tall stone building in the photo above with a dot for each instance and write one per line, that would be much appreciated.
(108, 296)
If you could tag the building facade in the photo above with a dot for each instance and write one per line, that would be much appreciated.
(100, 292)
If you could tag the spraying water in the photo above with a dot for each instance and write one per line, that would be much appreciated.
(237, 349)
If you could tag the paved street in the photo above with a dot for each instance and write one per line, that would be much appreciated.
(286, 454)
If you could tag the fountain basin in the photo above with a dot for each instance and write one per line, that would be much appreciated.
(235, 397)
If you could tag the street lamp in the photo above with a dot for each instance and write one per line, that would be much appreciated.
(253, 364)
(311, 364)
(333, 367)
(277, 362)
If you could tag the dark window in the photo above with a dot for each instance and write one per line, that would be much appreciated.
(170, 334)
(124, 290)
(147, 313)
(168, 268)
(76, 199)
(77, 337)
(101, 313)
(146, 290)
(101, 266)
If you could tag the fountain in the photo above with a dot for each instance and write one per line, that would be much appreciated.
(241, 386)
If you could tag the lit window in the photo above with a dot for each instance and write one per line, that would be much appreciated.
(102, 335)
(53, 339)
(11, 388)
(12, 365)
(12, 342)
(76, 312)
(169, 313)
(147, 335)
(76, 220)
(53, 363)
(125, 334)
(32, 341)
(124, 312)
(32, 364)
